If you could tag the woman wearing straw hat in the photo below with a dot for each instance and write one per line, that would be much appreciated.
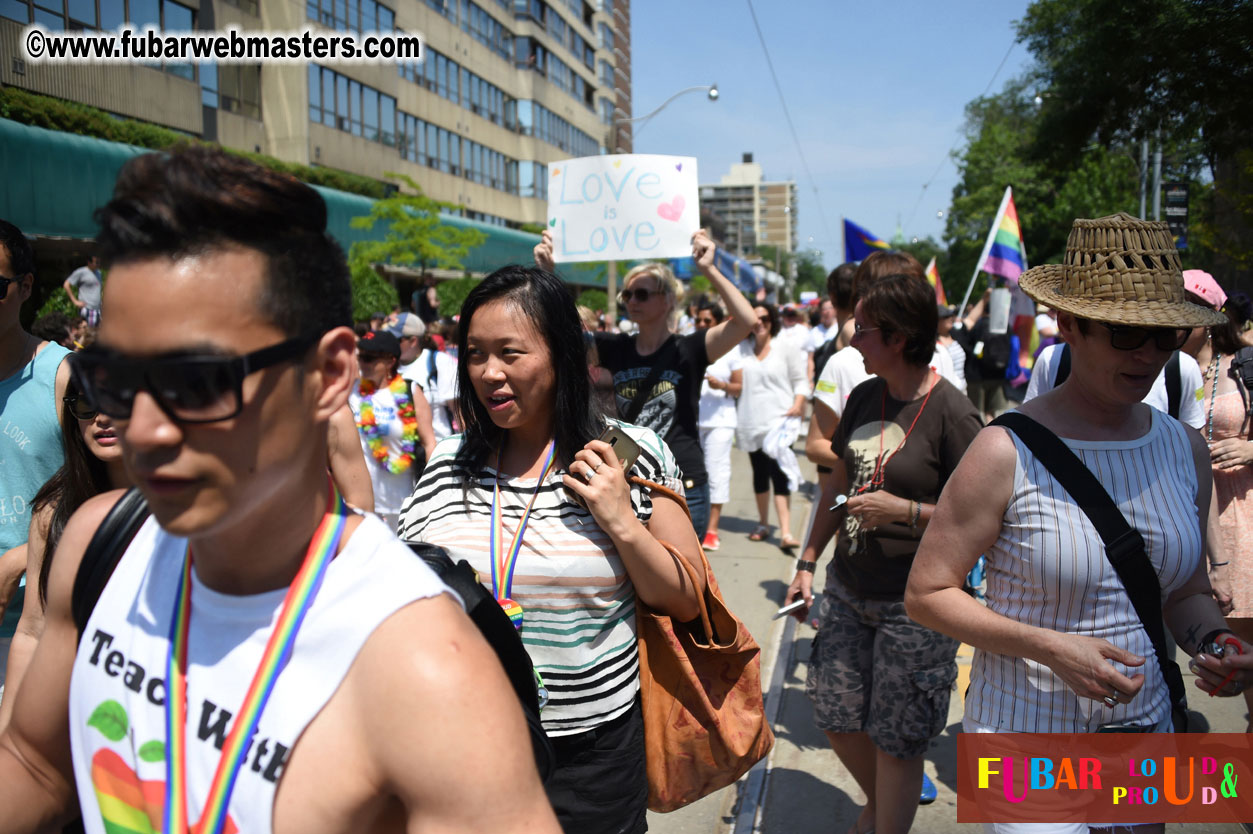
(1060, 647)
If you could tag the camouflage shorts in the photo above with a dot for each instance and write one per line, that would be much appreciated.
(874, 670)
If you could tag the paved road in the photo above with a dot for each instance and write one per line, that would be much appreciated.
(806, 789)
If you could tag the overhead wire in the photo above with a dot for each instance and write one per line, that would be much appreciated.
(949, 153)
(788, 116)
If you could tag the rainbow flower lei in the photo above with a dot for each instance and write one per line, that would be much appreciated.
(375, 437)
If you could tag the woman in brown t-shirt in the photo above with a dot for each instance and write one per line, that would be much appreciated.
(879, 681)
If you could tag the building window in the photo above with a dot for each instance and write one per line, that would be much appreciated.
(83, 14)
(239, 89)
(249, 6)
(354, 15)
(344, 104)
(209, 86)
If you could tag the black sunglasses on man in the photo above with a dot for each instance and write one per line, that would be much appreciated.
(189, 388)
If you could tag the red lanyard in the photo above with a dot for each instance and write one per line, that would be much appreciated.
(880, 470)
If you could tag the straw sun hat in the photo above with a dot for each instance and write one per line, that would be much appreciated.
(1119, 270)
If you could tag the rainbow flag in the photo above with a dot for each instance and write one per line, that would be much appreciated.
(1006, 255)
(933, 276)
(859, 243)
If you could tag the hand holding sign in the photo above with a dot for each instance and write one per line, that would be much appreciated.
(622, 207)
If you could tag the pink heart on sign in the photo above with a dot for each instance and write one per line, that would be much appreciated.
(672, 210)
(679, 167)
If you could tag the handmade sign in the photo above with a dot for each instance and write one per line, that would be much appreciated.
(622, 207)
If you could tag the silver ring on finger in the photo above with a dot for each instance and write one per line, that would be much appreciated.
(597, 467)
(1110, 701)
(588, 474)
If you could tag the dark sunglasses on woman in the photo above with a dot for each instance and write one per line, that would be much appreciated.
(203, 388)
(641, 295)
(1123, 337)
(79, 407)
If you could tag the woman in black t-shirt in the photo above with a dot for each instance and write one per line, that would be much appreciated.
(879, 681)
(671, 407)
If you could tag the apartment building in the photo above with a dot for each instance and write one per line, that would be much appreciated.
(754, 211)
(505, 88)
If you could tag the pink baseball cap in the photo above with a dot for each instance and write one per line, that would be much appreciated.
(1201, 284)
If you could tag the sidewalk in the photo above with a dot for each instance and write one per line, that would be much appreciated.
(804, 788)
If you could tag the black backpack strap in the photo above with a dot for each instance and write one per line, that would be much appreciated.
(1063, 366)
(496, 627)
(1242, 372)
(1124, 546)
(661, 361)
(1174, 385)
(103, 552)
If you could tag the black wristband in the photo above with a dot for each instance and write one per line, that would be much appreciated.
(804, 564)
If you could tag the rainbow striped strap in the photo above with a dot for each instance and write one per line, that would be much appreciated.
(504, 562)
(300, 596)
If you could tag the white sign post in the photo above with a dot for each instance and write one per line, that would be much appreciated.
(622, 207)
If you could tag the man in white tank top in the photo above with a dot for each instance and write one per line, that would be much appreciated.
(316, 675)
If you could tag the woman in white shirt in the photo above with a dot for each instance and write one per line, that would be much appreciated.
(775, 388)
(723, 381)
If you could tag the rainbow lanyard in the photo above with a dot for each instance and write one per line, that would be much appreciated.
(504, 562)
(300, 596)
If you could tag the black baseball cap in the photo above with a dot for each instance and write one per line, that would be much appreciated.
(379, 341)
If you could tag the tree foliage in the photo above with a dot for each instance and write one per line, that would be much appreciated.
(594, 299)
(415, 234)
(1115, 70)
(371, 292)
(1111, 73)
(1002, 133)
(811, 275)
(452, 294)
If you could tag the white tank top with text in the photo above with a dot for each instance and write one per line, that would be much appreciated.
(117, 692)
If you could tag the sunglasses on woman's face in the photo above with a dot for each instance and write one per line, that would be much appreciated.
(1167, 339)
(188, 388)
(641, 295)
(4, 286)
(79, 407)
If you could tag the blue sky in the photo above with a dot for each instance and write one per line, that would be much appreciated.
(876, 91)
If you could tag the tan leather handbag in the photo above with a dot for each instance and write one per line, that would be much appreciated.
(700, 686)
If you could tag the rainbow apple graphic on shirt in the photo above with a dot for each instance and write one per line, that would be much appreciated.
(128, 804)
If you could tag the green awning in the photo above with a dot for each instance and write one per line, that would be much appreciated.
(54, 181)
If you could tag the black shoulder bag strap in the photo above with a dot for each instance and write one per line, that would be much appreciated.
(1124, 546)
(1241, 371)
(103, 552)
(1063, 366)
(660, 363)
(1174, 385)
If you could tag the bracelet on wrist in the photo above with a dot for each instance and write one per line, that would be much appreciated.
(917, 514)
(806, 564)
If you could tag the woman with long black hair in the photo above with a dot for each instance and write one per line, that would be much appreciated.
(543, 510)
(93, 464)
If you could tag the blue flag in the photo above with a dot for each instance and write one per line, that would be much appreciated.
(859, 243)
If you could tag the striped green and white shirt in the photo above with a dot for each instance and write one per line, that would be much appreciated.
(578, 601)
